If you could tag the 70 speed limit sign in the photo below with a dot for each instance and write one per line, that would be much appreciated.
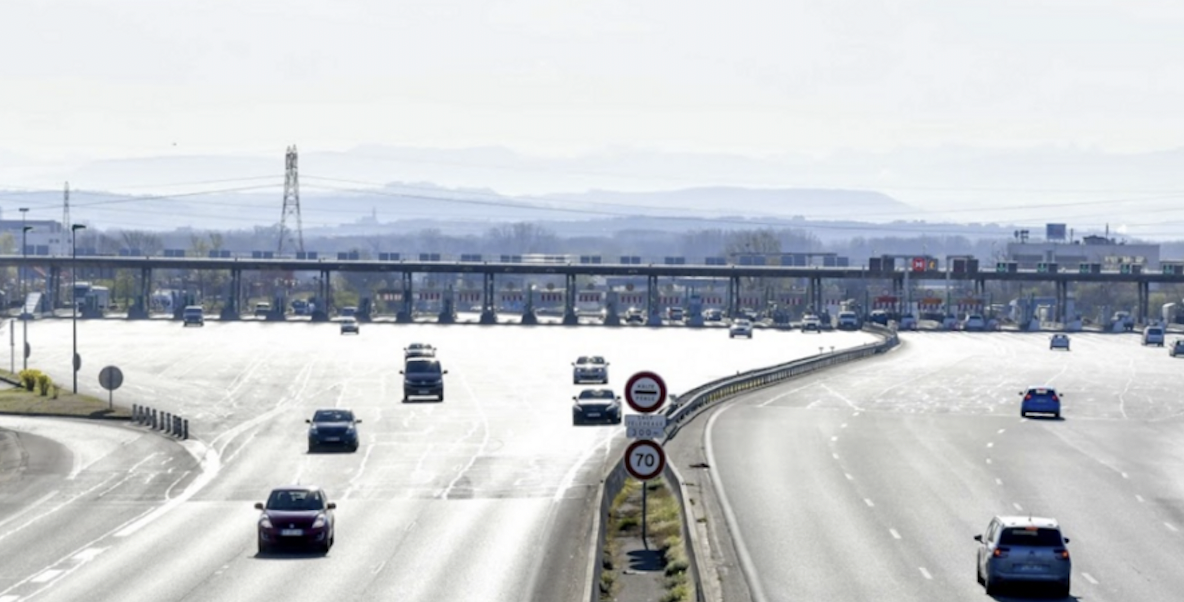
(644, 459)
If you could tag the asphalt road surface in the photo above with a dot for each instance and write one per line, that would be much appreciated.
(869, 482)
(488, 495)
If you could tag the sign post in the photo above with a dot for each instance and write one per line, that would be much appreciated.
(110, 378)
(645, 392)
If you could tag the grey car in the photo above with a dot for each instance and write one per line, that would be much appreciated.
(589, 368)
(1026, 549)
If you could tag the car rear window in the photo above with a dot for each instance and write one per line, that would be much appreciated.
(596, 394)
(332, 416)
(1031, 537)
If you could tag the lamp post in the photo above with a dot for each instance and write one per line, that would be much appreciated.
(73, 301)
(21, 274)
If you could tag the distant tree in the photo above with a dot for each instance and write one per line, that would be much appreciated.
(523, 237)
(147, 242)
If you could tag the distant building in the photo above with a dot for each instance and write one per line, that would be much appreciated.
(45, 237)
(1108, 252)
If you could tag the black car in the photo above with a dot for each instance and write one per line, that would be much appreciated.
(1177, 348)
(423, 377)
(296, 516)
(596, 405)
(333, 428)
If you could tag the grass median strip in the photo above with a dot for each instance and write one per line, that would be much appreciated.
(663, 537)
(58, 401)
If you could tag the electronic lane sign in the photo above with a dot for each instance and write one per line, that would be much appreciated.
(644, 459)
(645, 392)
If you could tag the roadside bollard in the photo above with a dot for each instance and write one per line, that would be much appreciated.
(154, 419)
(177, 425)
(185, 429)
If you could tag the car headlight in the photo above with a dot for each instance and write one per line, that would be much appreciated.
(312, 430)
(265, 522)
(352, 429)
(319, 522)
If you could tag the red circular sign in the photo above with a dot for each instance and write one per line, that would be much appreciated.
(645, 392)
(644, 459)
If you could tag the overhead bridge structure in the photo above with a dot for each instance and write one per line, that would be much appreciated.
(404, 271)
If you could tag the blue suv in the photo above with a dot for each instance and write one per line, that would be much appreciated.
(1041, 400)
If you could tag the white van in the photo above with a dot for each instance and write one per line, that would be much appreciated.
(1153, 335)
(848, 320)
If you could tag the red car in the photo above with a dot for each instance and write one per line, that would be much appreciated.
(296, 516)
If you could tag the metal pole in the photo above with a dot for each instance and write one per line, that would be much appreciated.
(12, 345)
(644, 512)
(73, 300)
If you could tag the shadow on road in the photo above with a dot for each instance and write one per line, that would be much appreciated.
(645, 560)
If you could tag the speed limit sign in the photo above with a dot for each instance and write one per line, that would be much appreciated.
(644, 459)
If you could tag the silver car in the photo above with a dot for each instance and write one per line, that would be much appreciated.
(1023, 549)
(589, 368)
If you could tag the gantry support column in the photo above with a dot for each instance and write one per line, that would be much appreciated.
(1061, 315)
(569, 301)
(234, 294)
(324, 296)
(53, 289)
(733, 296)
(1144, 308)
(653, 302)
(488, 301)
(139, 309)
(814, 294)
(405, 314)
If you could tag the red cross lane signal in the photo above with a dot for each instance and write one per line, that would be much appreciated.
(919, 264)
(644, 459)
(645, 392)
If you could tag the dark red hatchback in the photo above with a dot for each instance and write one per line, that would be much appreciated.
(296, 516)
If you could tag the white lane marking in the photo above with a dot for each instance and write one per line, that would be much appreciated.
(895, 535)
(925, 573)
(485, 438)
(988, 460)
(353, 482)
(849, 477)
(855, 414)
(37, 504)
(378, 569)
(784, 395)
(991, 444)
(869, 503)
(1139, 497)
(46, 575)
(833, 439)
(1125, 476)
(72, 499)
(9, 598)
(746, 564)
(1171, 527)
(1000, 431)
(998, 481)
(1018, 507)
(1090, 578)
(88, 554)
(211, 465)
(835, 456)
(836, 394)
(843, 426)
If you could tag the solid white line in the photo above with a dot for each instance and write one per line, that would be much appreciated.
(784, 395)
(895, 535)
(88, 554)
(46, 575)
(9, 598)
(1138, 497)
(1171, 527)
(1089, 578)
(1018, 507)
(30, 507)
(925, 573)
(746, 565)
(869, 503)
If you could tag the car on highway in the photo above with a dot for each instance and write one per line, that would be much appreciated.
(423, 377)
(193, 315)
(333, 428)
(1176, 349)
(974, 323)
(811, 322)
(298, 515)
(348, 311)
(350, 326)
(634, 316)
(848, 320)
(1041, 400)
(1153, 335)
(419, 350)
(589, 368)
(262, 309)
(675, 314)
(596, 405)
(741, 327)
(1023, 549)
(880, 317)
(907, 322)
(713, 314)
(1059, 341)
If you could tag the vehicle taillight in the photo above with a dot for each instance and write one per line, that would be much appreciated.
(1061, 553)
(1000, 552)
(1027, 397)
(1056, 399)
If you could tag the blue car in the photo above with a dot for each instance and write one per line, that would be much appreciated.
(1041, 400)
(333, 428)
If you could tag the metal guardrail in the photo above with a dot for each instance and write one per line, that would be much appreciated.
(690, 404)
(163, 421)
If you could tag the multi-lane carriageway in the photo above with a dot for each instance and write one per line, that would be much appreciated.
(865, 482)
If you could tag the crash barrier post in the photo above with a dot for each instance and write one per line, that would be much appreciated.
(167, 422)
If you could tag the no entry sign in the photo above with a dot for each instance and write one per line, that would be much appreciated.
(644, 459)
(645, 392)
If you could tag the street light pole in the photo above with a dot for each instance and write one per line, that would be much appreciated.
(21, 274)
(73, 301)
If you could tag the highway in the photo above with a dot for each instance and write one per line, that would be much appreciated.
(868, 482)
(488, 495)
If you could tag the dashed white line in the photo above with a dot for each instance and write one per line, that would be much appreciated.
(833, 439)
(1125, 476)
(46, 575)
(849, 477)
(1090, 578)
(1139, 497)
(835, 456)
(925, 573)
(998, 481)
(1000, 431)
(1171, 527)
(895, 535)
(88, 554)
(988, 460)
(869, 503)
(1018, 507)
(991, 444)
(855, 414)
(843, 426)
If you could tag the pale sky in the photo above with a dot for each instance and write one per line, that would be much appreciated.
(116, 78)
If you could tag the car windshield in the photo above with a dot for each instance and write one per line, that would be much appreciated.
(590, 359)
(596, 394)
(295, 499)
(423, 368)
(332, 416)
(1031, 537)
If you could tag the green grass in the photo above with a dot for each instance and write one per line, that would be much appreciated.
(17, 400)
(664, 528)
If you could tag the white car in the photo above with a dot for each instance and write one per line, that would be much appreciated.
(589, 368)
(848, 320)
(1059, 341)
(974, 323)
(740, 328)
(350, 326)
(1153, 335)
(419, 350)
(811, 322)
